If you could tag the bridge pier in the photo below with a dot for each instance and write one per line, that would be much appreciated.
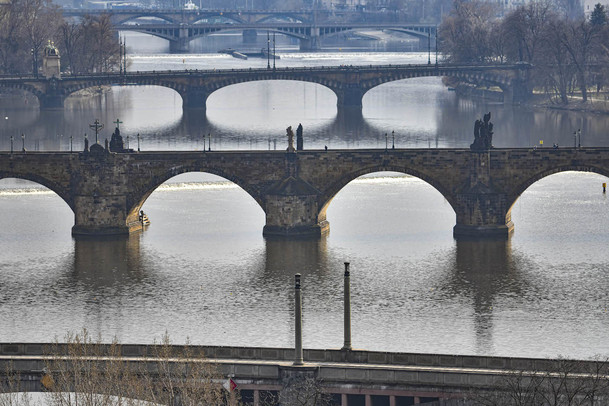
(51, 101)
(481, 211)
(292, 210)
(181, 45)
(249, 36)
(194, 98)
(312, 43)
(103, 215)
(350, 97)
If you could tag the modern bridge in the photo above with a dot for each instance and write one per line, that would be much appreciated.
(294, 189)
(349, 83)
(179, 27)
(350, 377)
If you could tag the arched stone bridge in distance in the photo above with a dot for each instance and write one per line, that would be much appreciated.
(179, 27)
(349, 83)
(107, 190)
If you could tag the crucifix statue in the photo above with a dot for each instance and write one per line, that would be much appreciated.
(118, 123)
(97, 127)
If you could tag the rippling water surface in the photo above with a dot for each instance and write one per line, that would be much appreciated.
(203, 270)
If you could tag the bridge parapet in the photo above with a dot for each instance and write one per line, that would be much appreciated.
(342, 372)
(349, 83)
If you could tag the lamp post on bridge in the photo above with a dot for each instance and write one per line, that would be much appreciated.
(268, 50)
(209, 141)
(138, 142)
(429, 47)
(22, 142)
(11, 144)
(386, 141)
(71, 143)
(392, 139)
(579, 138)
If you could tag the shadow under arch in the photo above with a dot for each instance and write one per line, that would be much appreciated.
(153, 185)
(328, 195)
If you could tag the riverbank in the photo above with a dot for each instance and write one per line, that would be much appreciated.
(597, 103)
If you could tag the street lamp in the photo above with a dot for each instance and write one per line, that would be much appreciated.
(579, 136)
(392, 139)
(429, 47)
(71, 143)
(22, 142)
(386, 141)
(11, 144)
(138, 142)
(209, 141)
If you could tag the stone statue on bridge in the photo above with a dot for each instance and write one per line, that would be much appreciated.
(116, 142)
(290, 135)
(483, 134)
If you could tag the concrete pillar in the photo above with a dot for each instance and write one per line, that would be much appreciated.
(349, 96)
(391, 400)
(180, 45)
(298, 357)
(344, 400)
(256, 397)
(347, 309)
(417, 400)
(249, 36)
(194, 98)
(313, 43)
(368, 400)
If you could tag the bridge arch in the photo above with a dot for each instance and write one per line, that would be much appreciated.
(523, 186)
(49, 184)
(332, 190)
(135, 18)
(143, 192)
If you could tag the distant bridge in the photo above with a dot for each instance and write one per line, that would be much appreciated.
(294, 189)
(349, 83)
(180, 27)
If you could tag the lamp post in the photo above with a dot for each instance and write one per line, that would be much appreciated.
(138, 142)
(386, 141)
(11, 144)
(209, 141)
(268, 50)
(392, 139)
(71, 143)
(436, 46)
(22, 142)
(429, 47)
(127, 141)
(579, 138)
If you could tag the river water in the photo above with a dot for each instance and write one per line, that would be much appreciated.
(203, 271)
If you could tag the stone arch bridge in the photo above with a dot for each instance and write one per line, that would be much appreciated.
(349, 83)
(179, 27)
(294, 189)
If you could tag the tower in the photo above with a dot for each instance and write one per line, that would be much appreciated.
(50, 61)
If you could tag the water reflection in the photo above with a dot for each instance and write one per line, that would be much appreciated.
(482, 271)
